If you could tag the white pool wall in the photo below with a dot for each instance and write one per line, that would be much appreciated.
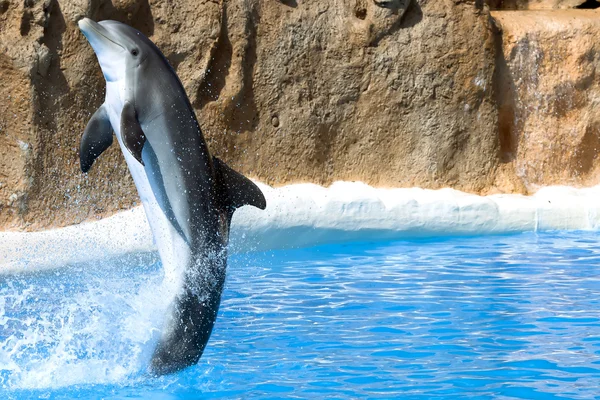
(304, 215)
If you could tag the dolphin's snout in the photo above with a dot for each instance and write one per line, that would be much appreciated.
(85, 24)
(82, 22)
(108, 44)
(89, 26)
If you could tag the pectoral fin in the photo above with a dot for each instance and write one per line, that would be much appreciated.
(133, 136)
(96, 138)
(235, 190)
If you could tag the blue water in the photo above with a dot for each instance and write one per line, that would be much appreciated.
(496, 317)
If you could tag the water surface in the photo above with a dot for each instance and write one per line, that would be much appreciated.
(491, 317)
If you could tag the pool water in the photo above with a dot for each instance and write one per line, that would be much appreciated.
(489, 317)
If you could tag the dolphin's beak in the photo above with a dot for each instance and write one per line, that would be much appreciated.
(108, 50)
(99, 37)
(86, 24)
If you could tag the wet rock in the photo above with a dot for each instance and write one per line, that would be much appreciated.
(548, 97)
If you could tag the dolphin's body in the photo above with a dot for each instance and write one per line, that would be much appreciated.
(188, 195)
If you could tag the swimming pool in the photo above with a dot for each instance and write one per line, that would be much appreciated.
(487, 317)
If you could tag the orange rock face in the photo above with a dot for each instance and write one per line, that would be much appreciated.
(548, 88)
(394, 93)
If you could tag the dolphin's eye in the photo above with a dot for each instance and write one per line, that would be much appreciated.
(134, 52)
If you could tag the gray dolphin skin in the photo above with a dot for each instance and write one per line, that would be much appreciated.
(189, 196)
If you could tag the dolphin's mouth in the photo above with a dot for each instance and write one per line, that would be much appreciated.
(89, 28)
(108, 50)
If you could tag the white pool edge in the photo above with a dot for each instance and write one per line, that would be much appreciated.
(304, 215)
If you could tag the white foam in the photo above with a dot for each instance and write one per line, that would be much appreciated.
(91, 325)
(306, 214)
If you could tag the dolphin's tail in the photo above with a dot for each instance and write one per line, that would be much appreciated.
(191, 323)
(195, 308)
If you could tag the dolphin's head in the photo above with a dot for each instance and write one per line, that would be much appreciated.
(118, 47)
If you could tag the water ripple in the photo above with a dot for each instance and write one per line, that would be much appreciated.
(496, 317)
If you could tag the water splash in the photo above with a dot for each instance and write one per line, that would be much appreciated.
(86, 323)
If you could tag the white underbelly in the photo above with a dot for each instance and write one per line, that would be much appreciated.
(173, 250)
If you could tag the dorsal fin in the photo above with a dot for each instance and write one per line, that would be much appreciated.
(235, 190)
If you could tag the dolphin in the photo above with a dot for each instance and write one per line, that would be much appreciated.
(188, 195)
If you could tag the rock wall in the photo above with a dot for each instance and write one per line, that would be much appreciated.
(285, 91)
(396, 93)
(548, 89)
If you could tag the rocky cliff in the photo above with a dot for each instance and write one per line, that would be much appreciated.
(395, 93)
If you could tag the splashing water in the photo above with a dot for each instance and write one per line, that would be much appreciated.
(86, 323)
